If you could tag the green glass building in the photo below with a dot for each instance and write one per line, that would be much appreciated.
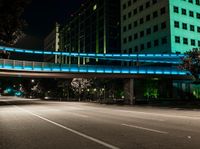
(160, 26)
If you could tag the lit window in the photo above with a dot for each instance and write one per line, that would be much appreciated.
(94, 7)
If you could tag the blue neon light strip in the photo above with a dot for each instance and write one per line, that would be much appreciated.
(149, 58)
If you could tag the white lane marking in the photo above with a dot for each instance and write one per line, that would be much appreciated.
(145, 118)
(48, 110)
(133, 116)
(71, 130)
(79, 115)
(143, 128)
(164, 115)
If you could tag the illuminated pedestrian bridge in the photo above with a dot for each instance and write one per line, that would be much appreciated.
(31, 68)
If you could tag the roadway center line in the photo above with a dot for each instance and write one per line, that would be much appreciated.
(147, 129)
(71, 130)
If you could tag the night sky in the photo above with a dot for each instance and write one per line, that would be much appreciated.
(41, 16)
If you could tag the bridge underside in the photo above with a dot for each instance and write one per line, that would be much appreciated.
(68, 75)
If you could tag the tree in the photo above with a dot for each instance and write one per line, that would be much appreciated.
(79, 85)
(192, 63)
(12, 24)
(38, 90)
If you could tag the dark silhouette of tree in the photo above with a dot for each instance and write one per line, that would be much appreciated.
(192, 63)
(11, 23)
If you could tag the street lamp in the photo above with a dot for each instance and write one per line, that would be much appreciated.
(32, 81)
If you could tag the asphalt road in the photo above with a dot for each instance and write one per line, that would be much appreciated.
(34, 124)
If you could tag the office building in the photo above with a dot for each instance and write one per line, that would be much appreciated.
(94, 28)
(51, 43)
(160, 26)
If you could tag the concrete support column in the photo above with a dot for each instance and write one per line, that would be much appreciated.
(129, 91)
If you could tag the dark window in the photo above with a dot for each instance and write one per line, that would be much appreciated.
(141, 8)
(124, 6)
(124, 28)
(124, 17)
(163, 25)
(136, 49)
(185, 41)
(190, 1)
(156, 43)
(183, 11)
(193, 42)
(198, 29)
(135, 36)
(130, 26)
(129, 3)
(135, 23)
(142, 47)
(155, 14)
(184, 26)
(148, 4)
(197, 2)
(135, 11)
(198, 15)
(199, 43)
(148, 32)
(164, 40)
(191, 13)
(176, 24)
(142, 34)
(162, 11)
(125, 40)
(149, 44)
(129, 14)
(177, 39)
(130, 38)
(155, 28)
(154, 1)
(148, 17)
(191, 27)
(175, 9)
(141, 21)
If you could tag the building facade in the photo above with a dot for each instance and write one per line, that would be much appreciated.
(51, 43)
(94, 28)
(160, 26)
